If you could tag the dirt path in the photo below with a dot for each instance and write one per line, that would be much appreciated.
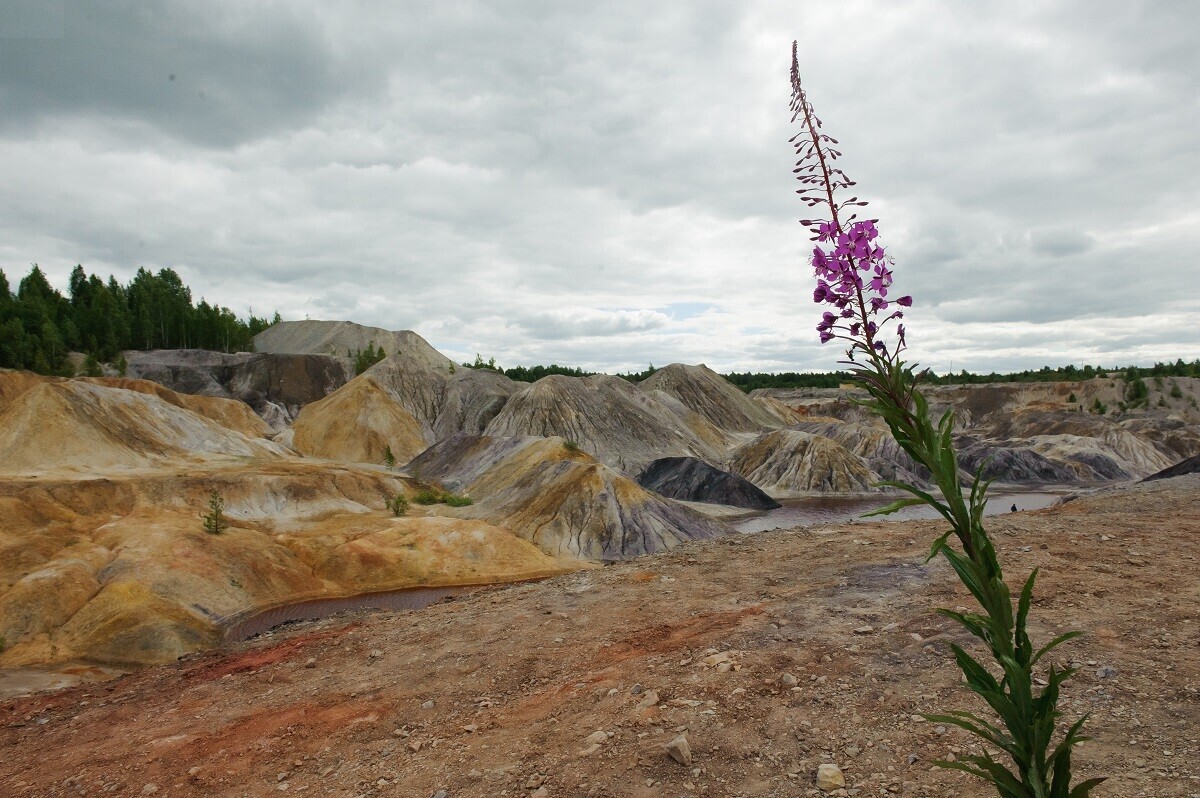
(502, 694)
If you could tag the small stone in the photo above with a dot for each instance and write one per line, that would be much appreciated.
(1106, 671)
(596, 738)
(150, 789)
(589, 750)
(724, 667)
(636, 689)
(830, 778)
(375, 653)
(649, 700)
(283, 786)
(679, 750)
(713, 660)
(853, 751)
(415, 745)
(788, 680)
(540, 792)
(471, 728)
(864, 630)
(428, 704)
(311, 662)
(913, 759)
(441, 794)
(192, 771)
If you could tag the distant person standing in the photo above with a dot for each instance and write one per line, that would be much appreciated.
(1014, 508)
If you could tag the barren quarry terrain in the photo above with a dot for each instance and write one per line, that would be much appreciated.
(769, 655)
(619, 637)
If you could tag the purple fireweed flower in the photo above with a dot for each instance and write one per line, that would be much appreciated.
(852, 268)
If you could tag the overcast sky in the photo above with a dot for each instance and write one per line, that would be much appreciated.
(609, 184)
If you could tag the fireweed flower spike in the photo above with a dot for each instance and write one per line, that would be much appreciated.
(854, 277)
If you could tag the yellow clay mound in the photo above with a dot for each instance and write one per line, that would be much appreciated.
(80, 426)
(122, 571)
(356, 424)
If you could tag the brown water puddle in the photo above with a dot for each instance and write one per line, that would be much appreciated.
(413, 598)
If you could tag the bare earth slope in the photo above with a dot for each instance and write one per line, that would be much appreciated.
(609, 418)
(560, 498)
(504, 692)
(338, 338)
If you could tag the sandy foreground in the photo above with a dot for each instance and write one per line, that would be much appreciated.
(770, 654)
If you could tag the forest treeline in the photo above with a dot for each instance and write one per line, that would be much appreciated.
(749, 381)
(39, 326)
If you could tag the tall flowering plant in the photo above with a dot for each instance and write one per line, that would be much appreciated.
(854, 278)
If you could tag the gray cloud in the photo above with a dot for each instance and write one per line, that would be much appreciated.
(610, 186)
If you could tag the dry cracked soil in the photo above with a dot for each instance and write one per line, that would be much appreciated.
(771, 654)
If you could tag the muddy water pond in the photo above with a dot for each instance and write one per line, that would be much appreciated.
(834, 510)
(413, 598)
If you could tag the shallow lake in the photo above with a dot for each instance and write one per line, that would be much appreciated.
(832, 510)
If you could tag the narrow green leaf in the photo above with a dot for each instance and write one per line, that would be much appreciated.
(895, 506)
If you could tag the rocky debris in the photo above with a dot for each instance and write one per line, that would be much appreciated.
(689, 479)
(716, 400)
(1189, 466)
(559, 498)
(275, 386)
(789, 462)
(614, 421)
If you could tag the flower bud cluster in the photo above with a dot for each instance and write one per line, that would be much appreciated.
(853, 274)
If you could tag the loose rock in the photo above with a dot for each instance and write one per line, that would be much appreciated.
(679, 750)
(830, 778)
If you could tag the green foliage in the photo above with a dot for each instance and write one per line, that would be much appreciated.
(1176, 393)
(365, 358)
(571, 446)
(1099, 407)
(452, 369)
(91, 366)
(1136, 391)
(434, 496)
(535, 373)
(389, 459)
(120, 364)
(398, 505)
(39, 326)
(490, 365)
(214, 519)
(428, 496)
(640, 375)
(1026, 716)
(1072, 398)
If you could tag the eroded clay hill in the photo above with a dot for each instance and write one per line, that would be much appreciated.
(104, 482)
(611, 419)
(552, 493)
(104, 556)
(275, 386)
